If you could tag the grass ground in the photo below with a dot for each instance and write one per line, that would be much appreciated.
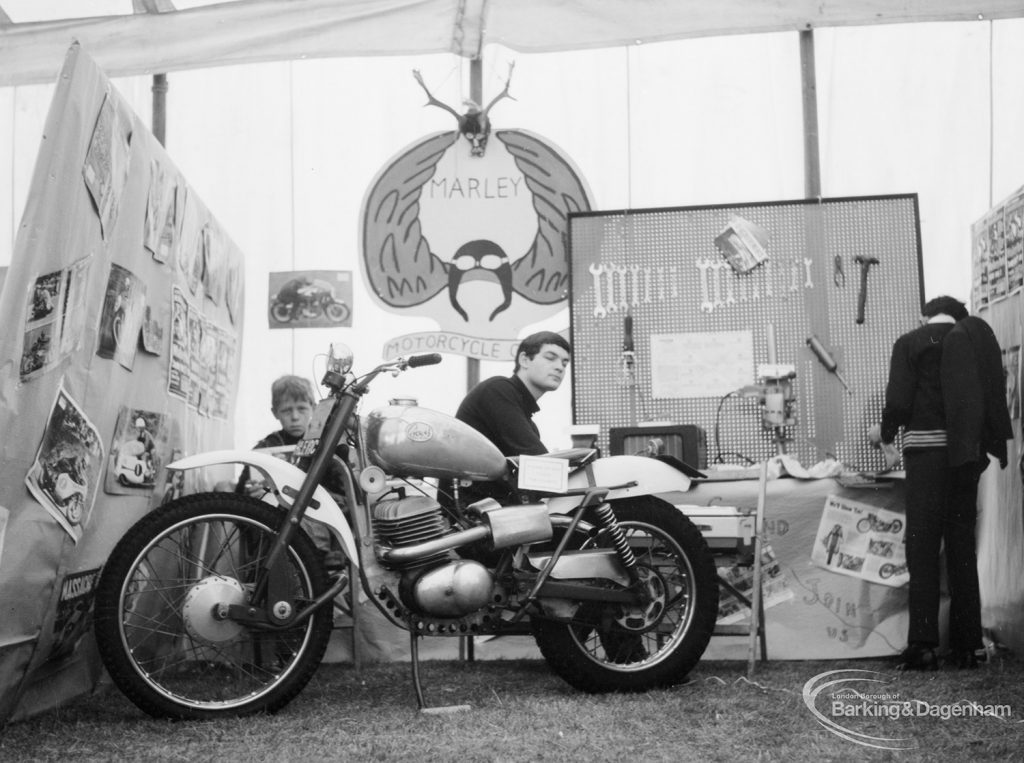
(521, 712)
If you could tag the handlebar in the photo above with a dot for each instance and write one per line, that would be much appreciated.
(360, 385)
(424, 360)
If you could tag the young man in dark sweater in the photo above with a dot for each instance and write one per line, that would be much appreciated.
(942, 392)
(501, 408)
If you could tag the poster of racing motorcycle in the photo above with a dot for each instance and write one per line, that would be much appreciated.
(54, 318)
(137, 452)
(72, 620)
(310, 299)
(121, 319)
(861, 541)
(68, 466)
(106, 162)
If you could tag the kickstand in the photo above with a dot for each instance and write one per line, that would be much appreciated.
(414, 653)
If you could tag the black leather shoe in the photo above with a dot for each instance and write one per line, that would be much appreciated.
(917, 657)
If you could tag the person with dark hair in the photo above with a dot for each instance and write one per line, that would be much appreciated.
(501, 408)
(945, 389)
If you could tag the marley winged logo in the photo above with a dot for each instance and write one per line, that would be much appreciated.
(470, 227)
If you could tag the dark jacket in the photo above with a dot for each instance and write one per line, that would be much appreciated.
(974, 394)
(913, 394)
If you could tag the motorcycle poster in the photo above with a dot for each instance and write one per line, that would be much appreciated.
(121, 320)
(67, 467)
(165, 201)
(71, 621)
(310, 299)
(54, 318)
(137, 452)
(862, 541)
(106, 163)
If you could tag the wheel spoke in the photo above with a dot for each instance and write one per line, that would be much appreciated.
(177, 647)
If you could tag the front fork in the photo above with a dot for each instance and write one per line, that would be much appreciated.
(270, 586)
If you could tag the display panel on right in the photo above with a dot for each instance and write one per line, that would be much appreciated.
(769, 325)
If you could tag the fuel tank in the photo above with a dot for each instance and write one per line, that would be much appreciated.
(410, 441)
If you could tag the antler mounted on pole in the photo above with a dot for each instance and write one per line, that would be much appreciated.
(474, 125)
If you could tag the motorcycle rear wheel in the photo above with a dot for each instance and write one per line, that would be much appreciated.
(597, 654)
(281, 312)
(155, 625)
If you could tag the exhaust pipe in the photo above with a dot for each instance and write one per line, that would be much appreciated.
(418, 551)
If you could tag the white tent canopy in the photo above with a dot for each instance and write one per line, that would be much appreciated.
(283, 152)
(129, 37)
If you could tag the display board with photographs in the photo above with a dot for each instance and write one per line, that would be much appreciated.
(115, 254)
(997, 252)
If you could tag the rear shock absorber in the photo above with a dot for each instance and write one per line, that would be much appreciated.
(607, 521)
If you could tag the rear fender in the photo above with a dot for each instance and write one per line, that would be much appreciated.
(652, 477)
(284, 479)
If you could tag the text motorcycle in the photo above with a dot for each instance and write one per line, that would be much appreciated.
(220, 604)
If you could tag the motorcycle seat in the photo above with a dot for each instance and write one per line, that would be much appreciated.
(577, 457)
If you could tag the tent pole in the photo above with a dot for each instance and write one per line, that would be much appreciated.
(160, 108)
(812, 163)
(476, 94)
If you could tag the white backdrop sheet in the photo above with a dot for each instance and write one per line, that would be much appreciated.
(285, 151)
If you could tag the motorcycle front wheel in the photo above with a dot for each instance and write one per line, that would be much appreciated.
(158, 624)
(609, 648)
(338, 312)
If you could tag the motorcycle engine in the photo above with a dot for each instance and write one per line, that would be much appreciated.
(438, 584)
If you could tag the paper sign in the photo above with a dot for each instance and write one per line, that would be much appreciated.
(548, 475)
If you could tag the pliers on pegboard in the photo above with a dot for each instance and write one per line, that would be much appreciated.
(838, 274)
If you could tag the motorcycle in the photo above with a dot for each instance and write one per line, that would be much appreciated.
(313, 301)
(220, 604)
(871, 523)
(134, 466)
(65, 485)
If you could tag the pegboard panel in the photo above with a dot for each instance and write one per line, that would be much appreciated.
(701, 330)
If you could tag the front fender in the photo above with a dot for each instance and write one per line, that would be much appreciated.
(652, 477)
(279, 475)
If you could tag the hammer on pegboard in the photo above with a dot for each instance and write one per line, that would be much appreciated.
(862, 298)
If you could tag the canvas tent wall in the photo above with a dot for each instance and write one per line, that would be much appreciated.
(930, 108)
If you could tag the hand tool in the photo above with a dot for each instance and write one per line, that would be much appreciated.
(838, 274)
(595, 271)
(827, 360)
(610, 270)
(705, 293)
(635, 270)
(623, 272)
(716, 267)
(862, 298)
